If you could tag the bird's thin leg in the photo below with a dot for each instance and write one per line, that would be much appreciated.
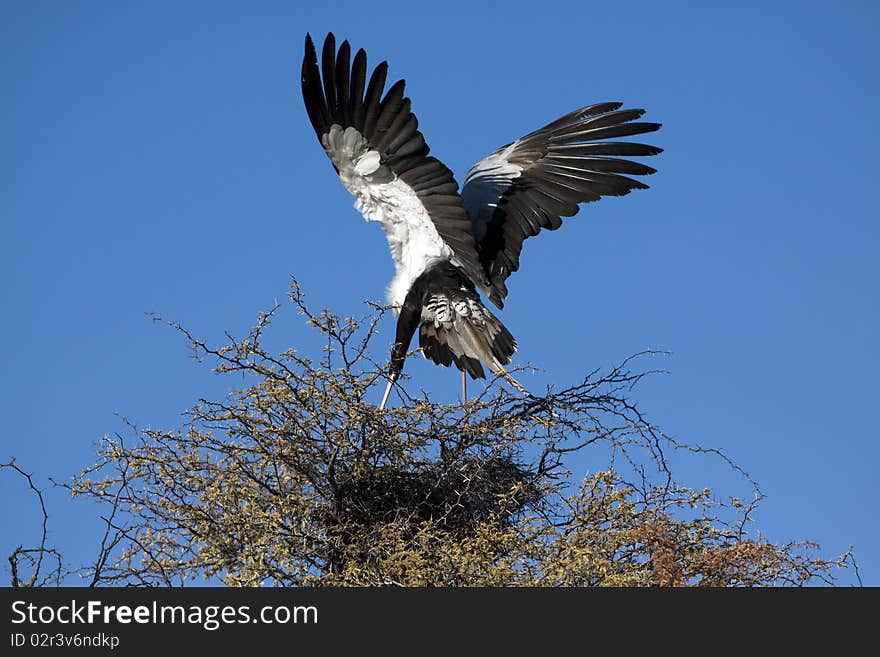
(387, 392)
(463, 387)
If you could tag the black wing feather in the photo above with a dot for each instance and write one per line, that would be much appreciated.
(356, 95)
(345, 108)
(374, 97)
(328, 55)
(532, 183)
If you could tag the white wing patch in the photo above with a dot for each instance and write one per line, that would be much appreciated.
(381, 196)
(484, 186)
(368, 163)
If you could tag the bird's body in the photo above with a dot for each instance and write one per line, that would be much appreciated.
(454, 324)
(447, 246)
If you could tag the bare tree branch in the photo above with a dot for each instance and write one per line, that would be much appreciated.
(34, 557)
(296, 478)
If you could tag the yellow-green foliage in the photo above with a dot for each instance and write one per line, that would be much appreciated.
(298, 479)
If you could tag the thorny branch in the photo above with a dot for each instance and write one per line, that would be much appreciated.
(33, 557)
(298, 479)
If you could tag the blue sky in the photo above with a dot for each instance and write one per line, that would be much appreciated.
(157, 157)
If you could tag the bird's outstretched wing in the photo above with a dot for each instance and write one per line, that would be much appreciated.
(380, 155)
(530, 184)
